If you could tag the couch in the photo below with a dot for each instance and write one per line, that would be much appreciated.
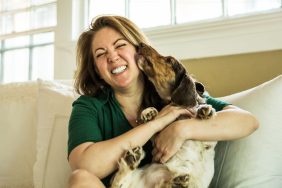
(33, 142)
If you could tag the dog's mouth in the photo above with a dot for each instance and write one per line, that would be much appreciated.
(145, 66)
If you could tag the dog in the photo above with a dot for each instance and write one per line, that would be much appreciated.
(193, 165)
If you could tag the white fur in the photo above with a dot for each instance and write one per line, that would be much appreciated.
(193, 158)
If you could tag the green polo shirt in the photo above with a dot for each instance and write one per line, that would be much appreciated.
(94, 119)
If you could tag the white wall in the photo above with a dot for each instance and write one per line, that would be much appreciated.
(254, 33)
(64, 45)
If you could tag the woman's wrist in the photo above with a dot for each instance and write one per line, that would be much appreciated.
(186, 128)
(182, 129)
(156, 125)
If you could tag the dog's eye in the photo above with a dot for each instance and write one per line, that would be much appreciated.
(170, 59)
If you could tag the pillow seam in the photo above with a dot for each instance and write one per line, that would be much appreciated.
(222, 163)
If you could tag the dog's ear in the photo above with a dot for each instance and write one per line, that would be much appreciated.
(185, 94)
(200, 88)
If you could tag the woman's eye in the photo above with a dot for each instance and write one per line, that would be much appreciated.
(120, 45)
(99, 55)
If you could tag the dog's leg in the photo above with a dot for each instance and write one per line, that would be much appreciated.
(205, 111)
(181, 181)
(148, 114)
(127, 165)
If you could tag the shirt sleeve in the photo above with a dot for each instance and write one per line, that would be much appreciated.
(216, 103)
(83, 124)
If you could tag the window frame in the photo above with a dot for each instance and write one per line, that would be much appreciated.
(29, 33)
(217, 37)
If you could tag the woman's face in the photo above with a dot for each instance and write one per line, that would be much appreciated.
(115, 59)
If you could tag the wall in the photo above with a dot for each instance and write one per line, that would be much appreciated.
(206, 47)
(257, 32)
(225, 75)
(64, 45)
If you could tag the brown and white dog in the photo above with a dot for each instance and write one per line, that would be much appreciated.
(193, 165)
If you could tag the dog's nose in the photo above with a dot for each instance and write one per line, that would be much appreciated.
(141, 45)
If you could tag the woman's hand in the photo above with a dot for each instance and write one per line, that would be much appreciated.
(168, 142)
(229, 124)
(170, 113)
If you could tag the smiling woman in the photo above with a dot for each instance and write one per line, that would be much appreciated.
(114, 91)
(114, 58)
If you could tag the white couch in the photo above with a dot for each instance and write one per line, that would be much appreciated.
(33, 141)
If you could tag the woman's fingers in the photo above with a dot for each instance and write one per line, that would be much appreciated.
(160, 157)
(157, 157)
(173, 112)
(191, 113)
(165, 158)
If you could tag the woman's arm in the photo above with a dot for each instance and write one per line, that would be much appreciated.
(229, 124)
(101, 158)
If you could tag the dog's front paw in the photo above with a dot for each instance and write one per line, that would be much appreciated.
(205, 111)
(181, 181)
(133, 157)
(148, 114)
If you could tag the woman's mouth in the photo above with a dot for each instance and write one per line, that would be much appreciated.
(119, 69)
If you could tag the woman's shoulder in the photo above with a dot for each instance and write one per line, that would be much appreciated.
(98, 100)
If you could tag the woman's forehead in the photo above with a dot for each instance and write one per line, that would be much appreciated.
(106, 36)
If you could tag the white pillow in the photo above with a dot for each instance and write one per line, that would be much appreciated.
(54, 100)
(57, 169)
(256, 160)
(17, 134)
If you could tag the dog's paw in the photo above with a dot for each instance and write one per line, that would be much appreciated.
(148, 114)
(205, 111)
(181, 181)
(133, 157)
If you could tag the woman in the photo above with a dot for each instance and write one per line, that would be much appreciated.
(103, 120)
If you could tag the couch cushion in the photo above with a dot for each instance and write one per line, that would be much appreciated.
(254, 161)
(18, 134)
(57, 170)
(54, 107)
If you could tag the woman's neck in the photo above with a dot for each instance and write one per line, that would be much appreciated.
(130, 100)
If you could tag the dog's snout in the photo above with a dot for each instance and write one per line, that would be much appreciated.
(140, 46)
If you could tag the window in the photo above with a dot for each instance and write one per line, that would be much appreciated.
(145, 14)
(26, 39)
(169, 12)
(193, 10)
(236, 7)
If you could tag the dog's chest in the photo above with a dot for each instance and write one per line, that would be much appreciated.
(192, 157)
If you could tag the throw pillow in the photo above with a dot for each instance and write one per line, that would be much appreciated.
(254, 161)
(17, 134)
(54, 100)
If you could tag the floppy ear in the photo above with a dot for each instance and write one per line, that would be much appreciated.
(200, 88)
(185, 93)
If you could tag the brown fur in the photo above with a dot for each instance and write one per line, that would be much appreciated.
(169, 77)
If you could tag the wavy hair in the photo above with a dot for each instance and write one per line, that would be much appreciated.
(87, 81)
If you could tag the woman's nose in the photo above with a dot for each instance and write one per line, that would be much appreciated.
(113, 56)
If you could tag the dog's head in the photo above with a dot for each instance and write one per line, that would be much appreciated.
(168, 75)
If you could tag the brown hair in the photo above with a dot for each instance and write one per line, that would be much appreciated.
(87, 81)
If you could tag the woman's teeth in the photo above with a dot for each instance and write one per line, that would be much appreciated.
(119, 69)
